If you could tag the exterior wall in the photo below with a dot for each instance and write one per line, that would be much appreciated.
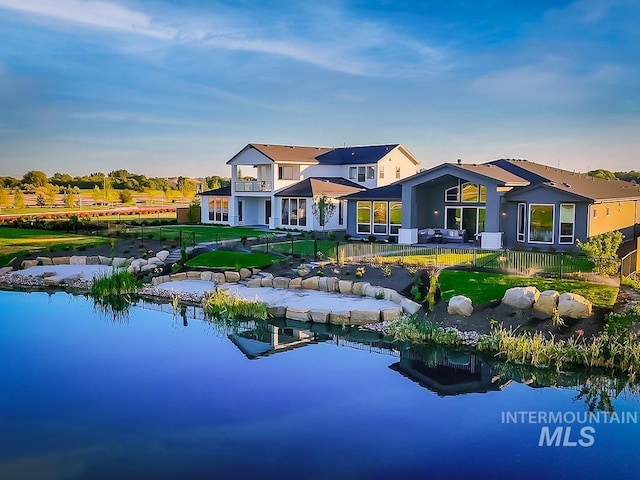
(622, 216)
(388, 164)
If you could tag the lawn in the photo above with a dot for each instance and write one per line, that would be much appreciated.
(201, 233)
(483, 287)
(15, 241)
(233, 260)
(327, 248)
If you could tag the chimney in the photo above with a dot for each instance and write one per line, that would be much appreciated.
(459, 161)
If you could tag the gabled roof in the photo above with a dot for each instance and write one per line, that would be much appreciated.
(591, 188)
(388, 192)
(218, 192)
(314, 186)
(359, 155)
(285, 153)
(494, 173)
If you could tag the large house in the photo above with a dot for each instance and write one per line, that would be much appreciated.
(287, 180)
(512, 203)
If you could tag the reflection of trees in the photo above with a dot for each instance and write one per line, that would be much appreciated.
(114, 307)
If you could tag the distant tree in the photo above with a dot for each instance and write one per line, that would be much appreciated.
(68, 198)
(61, 179)
(18, 199)
(35, 178)
(40, 200)
(188, 188)
(215, 184)
(602, 173)
(50, 194)
(4, 197)
(602, 250)
(125, 196)
(9, 182)
(323, 209)
(97, 195)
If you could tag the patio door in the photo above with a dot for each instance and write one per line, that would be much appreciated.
(267, 212)
(470, 222)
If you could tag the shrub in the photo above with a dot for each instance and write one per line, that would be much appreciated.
(386, 270)
(602, 250)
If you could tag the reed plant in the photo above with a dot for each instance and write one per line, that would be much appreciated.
(222, 304)
(116, 282)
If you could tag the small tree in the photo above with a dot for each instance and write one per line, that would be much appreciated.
(4, 197)
(40, 201)
(323, 209)
(51, 194)
(97, 195)
(68, 199)
(602, 250)
(18, 199)
(125, 196)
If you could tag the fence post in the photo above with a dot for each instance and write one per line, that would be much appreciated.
(194, 238)
(338, 253)
(561, 263)
(437, 264)
(291, 245)
(315, 249)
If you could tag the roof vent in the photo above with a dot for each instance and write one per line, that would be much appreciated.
(552, 184)
(566, 184)
(459, 161)
(353, 153)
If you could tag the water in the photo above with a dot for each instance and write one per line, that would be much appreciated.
(144, 396)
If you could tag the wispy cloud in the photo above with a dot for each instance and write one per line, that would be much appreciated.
(143, 118)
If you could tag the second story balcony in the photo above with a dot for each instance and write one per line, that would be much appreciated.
(253, 186)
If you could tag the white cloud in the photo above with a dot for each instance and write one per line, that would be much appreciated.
(142, 118)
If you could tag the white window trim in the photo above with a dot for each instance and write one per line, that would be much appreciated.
(462, 207)
(573, 232)
(306, 211)
(521, 237)
(373, 216)
(553, 221)
(358, 223)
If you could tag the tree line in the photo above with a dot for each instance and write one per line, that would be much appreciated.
(630, 176)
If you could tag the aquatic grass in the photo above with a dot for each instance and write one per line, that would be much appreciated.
(224, 305)
(116, 282)
(408, 329)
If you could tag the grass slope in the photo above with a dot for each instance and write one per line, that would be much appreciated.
(483, 287)
(230, 259)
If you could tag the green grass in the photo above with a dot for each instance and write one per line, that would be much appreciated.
(232, 259)
(203, 233)
(116, 282)
(482, 288)
(300, 247)
(441, 259)
(14, 241)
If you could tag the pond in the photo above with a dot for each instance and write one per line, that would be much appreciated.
(161, 394)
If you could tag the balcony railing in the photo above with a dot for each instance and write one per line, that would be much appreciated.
(253, 186)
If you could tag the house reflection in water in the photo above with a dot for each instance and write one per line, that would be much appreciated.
(449, 373)
(260, 339)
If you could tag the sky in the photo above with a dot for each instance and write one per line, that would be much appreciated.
(168, 87)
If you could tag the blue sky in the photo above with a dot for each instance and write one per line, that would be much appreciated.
(178, 87)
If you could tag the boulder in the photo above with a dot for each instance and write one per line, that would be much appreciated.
(299, 314)
(280, 282)
(572, 305)
(104, 260)
(295, 283)
(277, 311)
(178, 276)
(310, 283)
(339, 318)
(267, 281)
(150, 267)
(322, 284)
(54, 280)
(319, 316)
(362, 317)
(395, 297)
(155, 281)
(44, 261)
(521, 297)
(155, 261)
(345, 286)
(60, 260)
(244, 273)
(546, 305)
(206, 276)
(93, 260)
(254, 283)
(460, 305)
(78, 260)
(409, 306)
(191, 275)
(5, 270)
(389, 314)
(360, 287)
(255, 271)
(28, 263)
(163, 255)
(332, 284)
(373, 292)
(118, 262)
(218, 277)
(231, 276)
(266, 274)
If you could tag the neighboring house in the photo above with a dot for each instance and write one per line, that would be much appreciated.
(264, 201)
(513, 203)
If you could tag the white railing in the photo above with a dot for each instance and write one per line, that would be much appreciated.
(253, 186)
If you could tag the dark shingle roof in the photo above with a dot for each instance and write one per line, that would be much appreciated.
(596, 189)
(355, 155)
(493, 171)
(388, 192)
(313, 186)
(218, 192)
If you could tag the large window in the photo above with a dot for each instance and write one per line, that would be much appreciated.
(219, 209)
(294, 212)
(541, 223)
(362, 174)
(395, 217)
(471, 193)
(364, 217)
(380, 218)
(567, 223)
(521, 222)
(471, 219)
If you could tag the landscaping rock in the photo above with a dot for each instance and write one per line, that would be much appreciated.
(93, 260)
(332, 284)
(361, 317)
(78, 260)
(255, 271)
(409, 306)
(28, 263)
(44, 261)
(150, 266)
(254, 283)
(299, 314)
(155, 261)
(218, 277)
(310, 283)
(345, 286)
(295, 283)
(340, 318)
(373, 292)
(572, 305)
(245, 273)
(460, 305)
(231, 276)
(280, 282)
(277, 311)
(104, 260)
(521, 297)
(5, 270)
(206, 276)
(191, 275)
(267, 281)
(155, 281)
(360, 287)
(53, 280)
(163, 255)
(178, 276)
(546, 305)
(395, 297)
(322, 284)
(390, 314)
(60, 260)
(117, 262)
(319, 316)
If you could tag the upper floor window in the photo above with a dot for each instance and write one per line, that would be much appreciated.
(362, 174)
(397, 172)
(466, 193)
(288, 172)
(381, 171)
